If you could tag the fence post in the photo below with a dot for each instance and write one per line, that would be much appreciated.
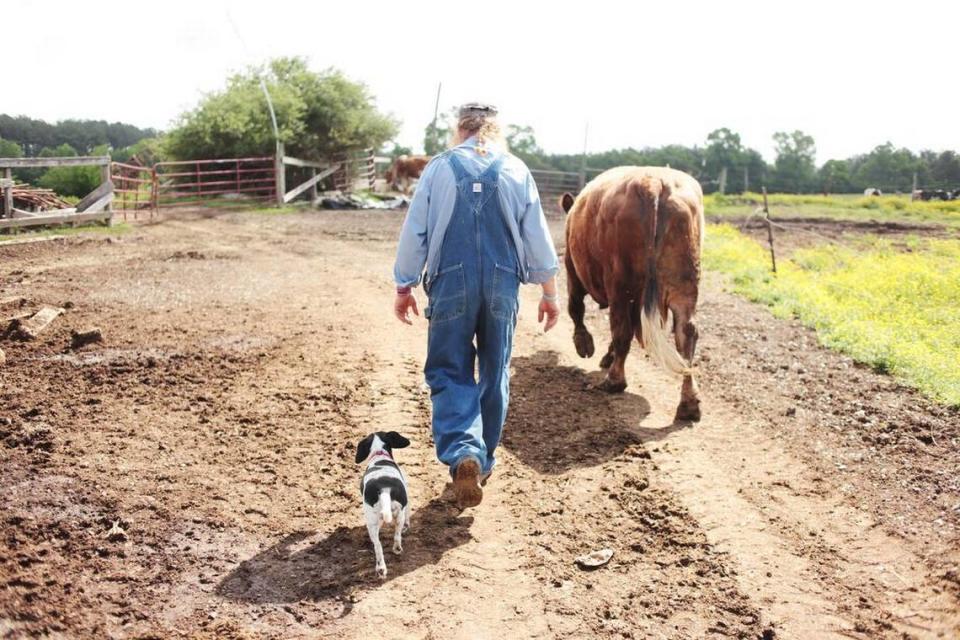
(766, 216)
(314, 194)
(105, 178)
(8, 193)
(154, 191)
(280, 177)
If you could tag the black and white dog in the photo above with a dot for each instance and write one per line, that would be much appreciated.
(384, 490)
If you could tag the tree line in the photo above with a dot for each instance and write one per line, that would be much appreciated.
(83, 136)
(793, 170)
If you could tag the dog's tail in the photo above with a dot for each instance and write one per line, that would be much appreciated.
(386, 506)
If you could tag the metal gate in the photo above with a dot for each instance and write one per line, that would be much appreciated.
(191, 182)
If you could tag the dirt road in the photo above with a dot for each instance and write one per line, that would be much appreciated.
(244, 357)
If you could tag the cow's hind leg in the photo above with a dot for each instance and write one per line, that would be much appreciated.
(576, 292)
(685, 334)
(607, 359)
(621, 328)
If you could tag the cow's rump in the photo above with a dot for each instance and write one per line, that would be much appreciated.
(634, 237)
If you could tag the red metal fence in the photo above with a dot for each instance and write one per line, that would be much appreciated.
(197, 181)
(132, 188)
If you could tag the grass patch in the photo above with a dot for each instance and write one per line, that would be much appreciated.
(896, 311)
(840, 207)
(277, 211)
(92, 227)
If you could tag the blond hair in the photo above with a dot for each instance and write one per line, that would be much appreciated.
(484, 127)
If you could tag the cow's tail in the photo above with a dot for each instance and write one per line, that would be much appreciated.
(656, 323)
(386, 505)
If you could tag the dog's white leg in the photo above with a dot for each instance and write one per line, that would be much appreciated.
(406, 518)
(373, 528)
(400, 518)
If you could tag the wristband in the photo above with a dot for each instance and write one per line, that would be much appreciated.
(403, 291)
(549, 298)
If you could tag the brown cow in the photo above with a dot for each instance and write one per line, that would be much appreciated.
(404, 170)
(633, 243)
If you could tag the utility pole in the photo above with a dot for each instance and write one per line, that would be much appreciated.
(436, 112)
(583, 157)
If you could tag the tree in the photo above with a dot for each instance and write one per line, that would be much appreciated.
(436, 136)
(10, 149)
(794, 168)
(147, 152)
(71, 181)
(318, 114)
(398, 151)
(945, 171)
(522, 142)
(752, 175)
(885, 167)
(723, 151)
(834, 177)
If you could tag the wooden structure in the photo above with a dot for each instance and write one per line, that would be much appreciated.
(358, 170)
(317, 172)
(97, 205)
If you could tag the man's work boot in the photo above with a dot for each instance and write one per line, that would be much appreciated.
(466, 483)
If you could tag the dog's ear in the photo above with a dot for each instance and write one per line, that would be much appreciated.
(395, 440)
(363, 448)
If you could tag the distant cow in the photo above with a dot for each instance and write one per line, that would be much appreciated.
(405, 170)
(933, 194)
(634, 236)
(872, 191)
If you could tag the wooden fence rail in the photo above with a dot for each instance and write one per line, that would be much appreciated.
(95, 206)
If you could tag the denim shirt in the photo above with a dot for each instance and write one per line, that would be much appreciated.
(432, 207)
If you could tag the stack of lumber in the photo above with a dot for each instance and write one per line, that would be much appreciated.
(36, 199)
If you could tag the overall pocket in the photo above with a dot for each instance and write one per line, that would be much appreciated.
(505, 299)
(447, 295)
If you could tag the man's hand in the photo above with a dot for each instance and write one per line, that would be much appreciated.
(550, 310)
(402, 306)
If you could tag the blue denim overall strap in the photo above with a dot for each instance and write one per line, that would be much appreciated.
(472, 297)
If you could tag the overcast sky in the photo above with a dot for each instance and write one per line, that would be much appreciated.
(640, 73)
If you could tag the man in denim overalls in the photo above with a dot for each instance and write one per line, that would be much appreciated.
(476, 223)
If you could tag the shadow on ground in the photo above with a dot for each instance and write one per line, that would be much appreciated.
(297, 568)
(558, 422)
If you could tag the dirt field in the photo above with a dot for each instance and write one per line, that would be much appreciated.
(245, 355)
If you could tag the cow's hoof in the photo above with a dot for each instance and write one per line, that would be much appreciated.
(583, 341)
(612, 386)
(688, 411)
(606, 361)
